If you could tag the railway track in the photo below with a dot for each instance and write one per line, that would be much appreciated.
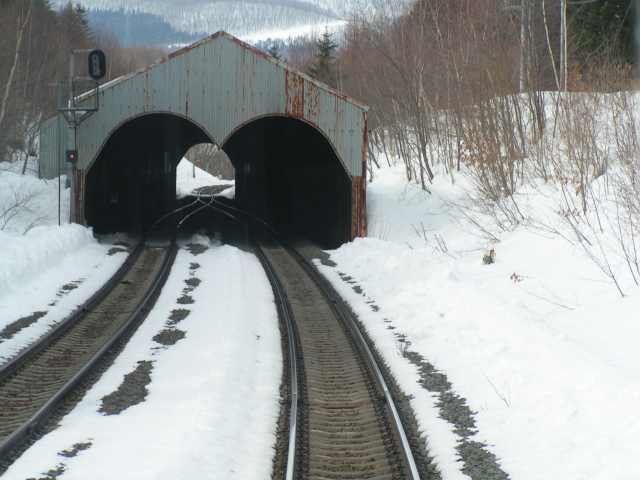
(34, 384)
(343, 423)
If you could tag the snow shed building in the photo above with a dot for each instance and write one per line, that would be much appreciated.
(298, 147)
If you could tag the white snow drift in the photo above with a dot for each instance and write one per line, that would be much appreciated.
(213, 399)
(540, 343)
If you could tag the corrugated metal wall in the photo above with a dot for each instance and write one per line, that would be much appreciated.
(221, 84)
(53, 144)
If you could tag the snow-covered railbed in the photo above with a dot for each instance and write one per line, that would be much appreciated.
(46, 270)
(45, 276)
(194, 394)
(527, 368)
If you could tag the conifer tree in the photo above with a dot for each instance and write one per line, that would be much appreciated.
(603, 28)
(274, 51)
(83, 22)
(323, 67)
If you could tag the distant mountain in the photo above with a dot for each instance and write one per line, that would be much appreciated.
(136, 28)
(171, 21)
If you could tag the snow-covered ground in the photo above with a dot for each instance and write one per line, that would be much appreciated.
(46, 271)
(540, 343)
(189, 177)
(537, 350)
(212, 400)
(45, 277)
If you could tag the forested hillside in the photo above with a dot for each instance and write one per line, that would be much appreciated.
(35, 43)
(237, 17)
(139, 29)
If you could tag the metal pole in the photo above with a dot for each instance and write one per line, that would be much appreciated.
(71, 72)
(59, 181)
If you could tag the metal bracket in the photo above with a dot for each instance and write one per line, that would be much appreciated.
(75, 115)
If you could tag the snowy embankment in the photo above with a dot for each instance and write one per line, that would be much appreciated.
(540, 343)
(209, 405)
(189, 178)
(46, 270)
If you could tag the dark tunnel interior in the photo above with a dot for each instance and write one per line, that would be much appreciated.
(286, 173)
(132, 183)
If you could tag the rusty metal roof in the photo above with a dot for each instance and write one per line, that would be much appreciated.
(220, 84)
(256, 51)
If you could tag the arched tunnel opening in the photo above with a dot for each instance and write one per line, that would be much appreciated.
(132, 182)
(286, 173)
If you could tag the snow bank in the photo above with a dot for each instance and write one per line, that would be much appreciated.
(38, 257)
(189, 178)
(229, 193)
(213, 400)
(37, 285)
(540, 343)
(26, 201)
(30, 237)
(41, 248)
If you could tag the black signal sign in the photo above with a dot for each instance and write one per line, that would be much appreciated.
(97, 64)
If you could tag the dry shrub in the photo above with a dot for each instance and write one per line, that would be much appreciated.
(582, 130)
(627, 179)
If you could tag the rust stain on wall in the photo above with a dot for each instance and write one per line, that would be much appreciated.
(78, 181)
(312, 108)
(294, 94)
(228, 86)
(362, 215)
(358, 207)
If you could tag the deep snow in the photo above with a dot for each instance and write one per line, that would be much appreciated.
(38, 258)
(53, 272)
(189, 178)
(213, 400)
(540, 343)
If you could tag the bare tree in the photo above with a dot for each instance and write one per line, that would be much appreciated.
(22, 21)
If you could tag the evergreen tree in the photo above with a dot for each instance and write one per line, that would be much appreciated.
(603, 28)
(83, 22)
(74, 29)
(323, 67)
(274, 51)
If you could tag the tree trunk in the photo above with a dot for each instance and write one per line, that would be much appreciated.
(19, 36)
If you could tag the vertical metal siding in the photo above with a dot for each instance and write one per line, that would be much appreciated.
(220, 84)
(53, 145)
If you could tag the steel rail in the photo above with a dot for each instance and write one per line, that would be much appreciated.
(173, 212)
(370, 358)
(284, 309)
(14, 364)
(196, 211)
(285, 313)
(14, 440)
(341, 311)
